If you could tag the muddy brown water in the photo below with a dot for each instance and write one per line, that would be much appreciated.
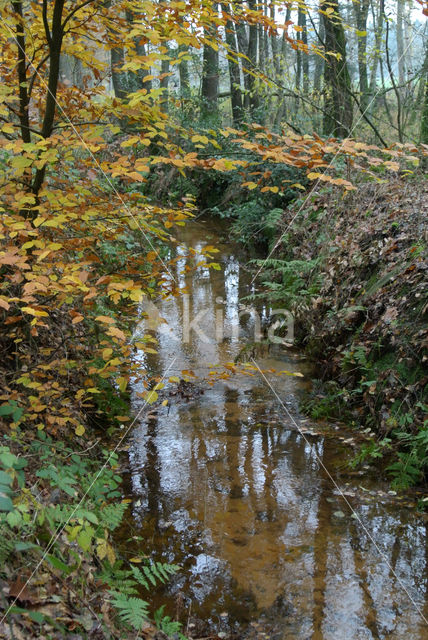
(248, 496)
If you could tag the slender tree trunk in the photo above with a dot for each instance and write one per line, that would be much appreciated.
(164, 83)
(281, 65)
(377, 44)
(394, 84)
(242, 37)
(22, 74)
(54, 35)
(305, 56)
(338, 98)
(118, 77)
(136, 80)
(400, 43)
(319, 61)
(55, 45)
(274, 44)
(385, 96)
(234, 74)
(183, 71)
(210, 77)
(361, 10)
(424, 117)
(252, 55)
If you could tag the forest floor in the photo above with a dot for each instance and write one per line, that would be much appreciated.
(367, 323)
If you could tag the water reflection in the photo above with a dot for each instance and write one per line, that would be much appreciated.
(227, 487)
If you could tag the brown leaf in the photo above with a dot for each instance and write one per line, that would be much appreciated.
(19, 590)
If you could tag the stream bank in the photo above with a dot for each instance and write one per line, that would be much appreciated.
(353, 272)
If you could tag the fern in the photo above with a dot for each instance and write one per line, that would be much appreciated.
(140, 577)
(155, 573)
(6, 548)
(132, 611)
(119, 580)
(291, 282)
(112, 514)
(166, 624)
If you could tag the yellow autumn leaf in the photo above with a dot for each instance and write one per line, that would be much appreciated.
(151, 397)
(130, 141)
(35, 312)
(80, 430)
(21, 162)
(122, 383)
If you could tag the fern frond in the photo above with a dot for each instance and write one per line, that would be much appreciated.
(6, 548)
(112, 515)
(132, 611)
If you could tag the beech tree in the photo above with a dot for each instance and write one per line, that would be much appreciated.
(338, 100)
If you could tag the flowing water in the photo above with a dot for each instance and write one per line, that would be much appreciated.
(276, 535)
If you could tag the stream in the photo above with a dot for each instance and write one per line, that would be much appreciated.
(276, 535)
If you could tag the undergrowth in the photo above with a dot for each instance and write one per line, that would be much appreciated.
(356, 285)
(58, 512)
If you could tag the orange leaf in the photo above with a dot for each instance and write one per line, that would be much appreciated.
(4, 304)
(105, 319)
(117, 333)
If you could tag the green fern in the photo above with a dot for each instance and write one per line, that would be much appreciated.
(132, 611)
(112, 514)
(156, 572)
(291, 282)
(6, 548)
(167, 625)
(119, 580)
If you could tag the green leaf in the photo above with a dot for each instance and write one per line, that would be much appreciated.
(6, 410)
(24, 546)
(5, 479)
(36, 616)
(84, 539)
(6, 503)
(14, 518)
(59, 564)
(8, 460)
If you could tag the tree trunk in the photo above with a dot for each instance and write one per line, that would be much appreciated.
(252, 55)
(280, 66)
(242, 38)
(234, 74)
(424, 118)
(337, 90)
(400, 43)
(183, 70)
(377, 44)
(164, 83)
(319, 61)
(361, 10)
(210, 77)
(136, 80)
(305, 56)
(119, 78)
(55, 45)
